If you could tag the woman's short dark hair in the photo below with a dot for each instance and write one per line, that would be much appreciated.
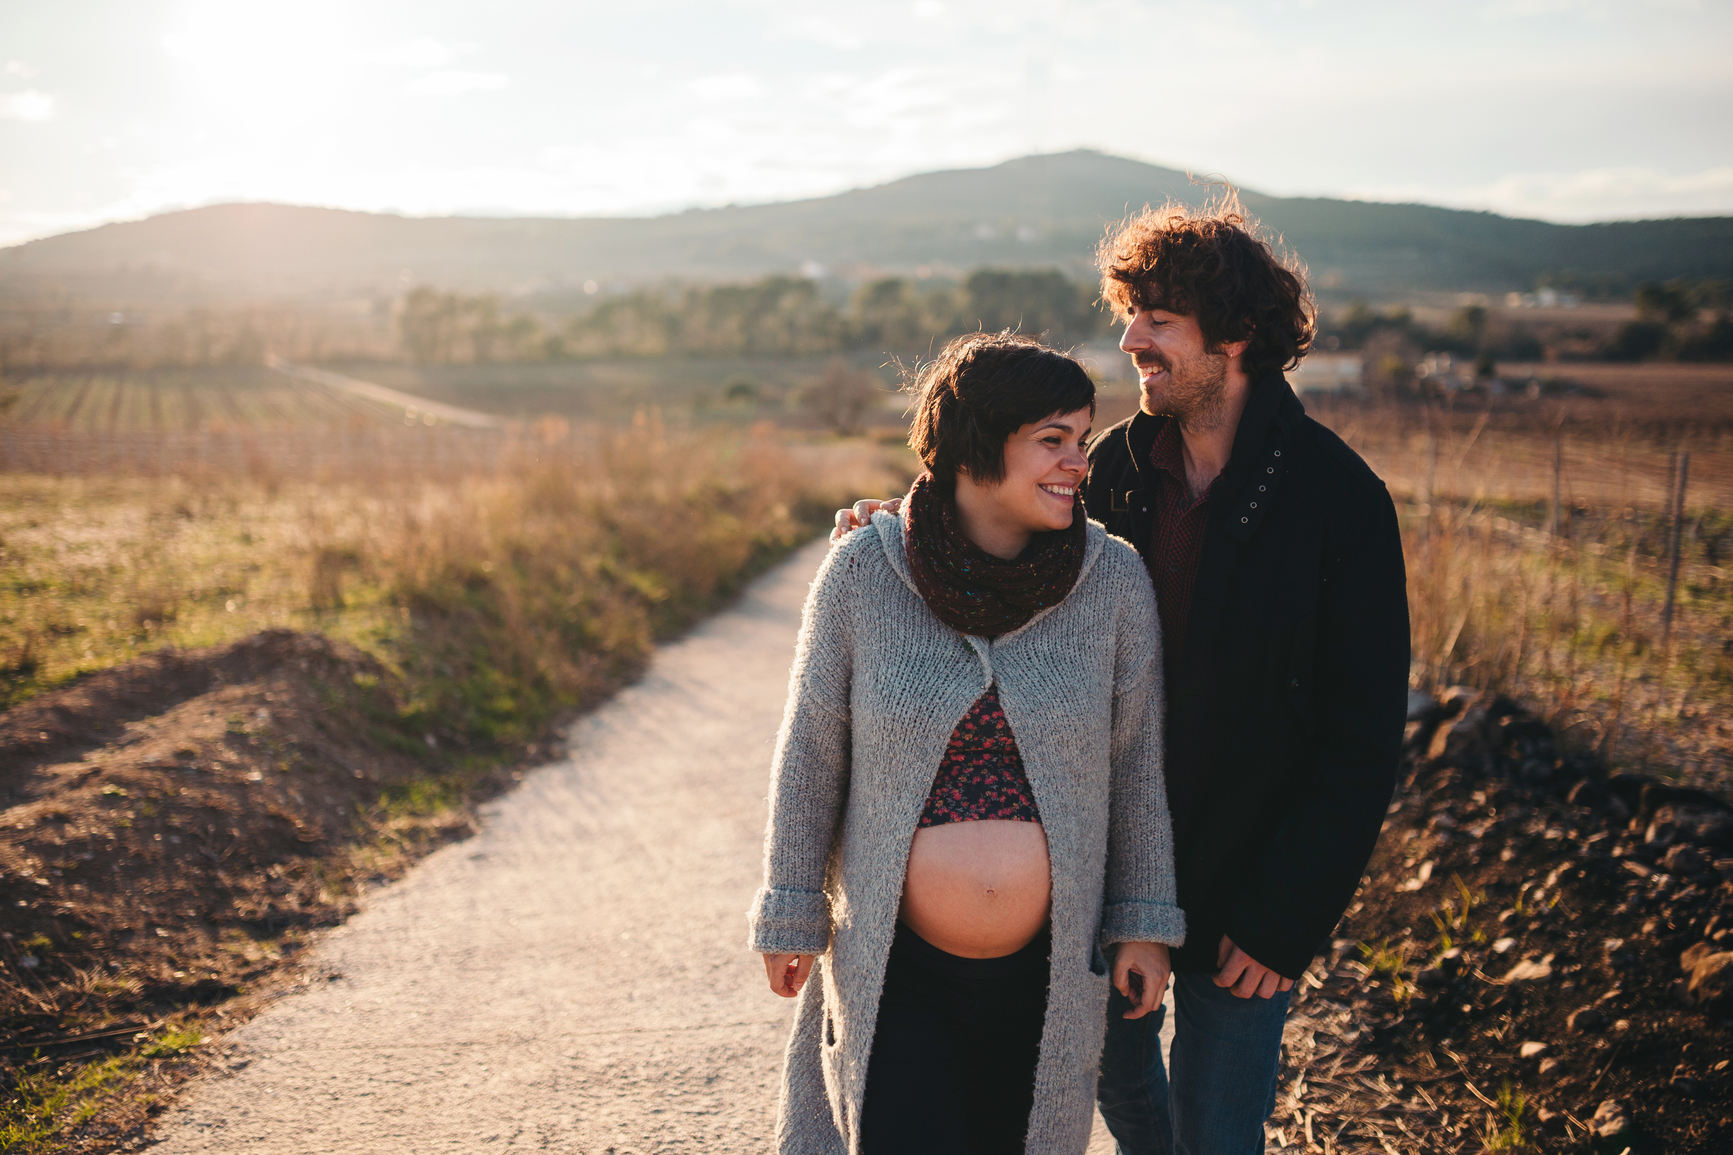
(1213, 264)
(982, 388)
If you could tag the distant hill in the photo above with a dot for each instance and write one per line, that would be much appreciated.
(1037, 211)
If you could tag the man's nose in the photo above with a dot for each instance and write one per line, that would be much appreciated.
(1135, 337)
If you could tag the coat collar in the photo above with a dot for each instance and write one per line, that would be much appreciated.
(1257, 463)
(889, 527)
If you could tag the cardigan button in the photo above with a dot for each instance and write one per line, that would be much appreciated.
(1254, 505)
(1270, 469)
(1243, 520)
(1261, 488)
(1278, 453)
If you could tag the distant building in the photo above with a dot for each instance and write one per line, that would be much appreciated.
(1329, 373)
(1451, 374)
(1541, 299)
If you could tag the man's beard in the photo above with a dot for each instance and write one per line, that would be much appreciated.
(1195, 392)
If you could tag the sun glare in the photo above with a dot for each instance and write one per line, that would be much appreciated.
(264, 68)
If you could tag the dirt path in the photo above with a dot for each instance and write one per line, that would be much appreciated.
(571, 979)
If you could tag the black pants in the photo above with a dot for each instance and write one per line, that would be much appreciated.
(953, 1059)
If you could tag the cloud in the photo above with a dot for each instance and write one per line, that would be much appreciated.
(1598, 194)
(20, 69)
(455, 83)
(26, 105)
(422, 52)
(734, 86)
(1613, 193)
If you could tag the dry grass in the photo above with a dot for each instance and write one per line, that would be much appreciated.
(1572, 622)
(568, 556)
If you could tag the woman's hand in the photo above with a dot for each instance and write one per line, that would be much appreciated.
(788, 971)
(861, 514)
(1140, 972)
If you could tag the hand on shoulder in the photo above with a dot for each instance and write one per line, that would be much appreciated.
(861, 514)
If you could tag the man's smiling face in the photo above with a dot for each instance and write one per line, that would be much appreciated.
(1177, 375)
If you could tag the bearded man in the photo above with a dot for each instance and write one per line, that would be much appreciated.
(1279, 579)
(1278, 572)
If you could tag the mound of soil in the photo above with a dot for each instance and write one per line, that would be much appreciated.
(176, 825)
(1541, 957)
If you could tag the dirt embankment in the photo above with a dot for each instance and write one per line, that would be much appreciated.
(175, 827)
(1538, 959)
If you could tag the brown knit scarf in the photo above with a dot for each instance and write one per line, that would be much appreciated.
(968, 588)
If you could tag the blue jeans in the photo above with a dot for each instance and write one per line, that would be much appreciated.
(1226, 1052)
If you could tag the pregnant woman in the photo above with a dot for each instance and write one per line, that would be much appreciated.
(966, 801)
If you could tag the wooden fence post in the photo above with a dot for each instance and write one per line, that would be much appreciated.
(1558, 468)
(1681, 474)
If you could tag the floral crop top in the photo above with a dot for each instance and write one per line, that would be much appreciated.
(981, 775)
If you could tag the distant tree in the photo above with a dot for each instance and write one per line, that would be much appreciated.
(1636, 341)
(1357, 325)
(1711, 293)
(1389, 360)
(740, 388)
(1039, 301)
(1662, 304)
(841, 396)
(775, 315)
(1712, 344)
(1468, 326)
(640, 324)
(428, 325)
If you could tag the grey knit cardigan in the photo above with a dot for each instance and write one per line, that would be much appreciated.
(877, 688)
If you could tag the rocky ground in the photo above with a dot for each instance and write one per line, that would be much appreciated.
(1541, 958)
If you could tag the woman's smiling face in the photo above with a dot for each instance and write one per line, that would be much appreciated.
(1044, 470)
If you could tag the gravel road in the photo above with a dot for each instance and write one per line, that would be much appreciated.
(572, 978)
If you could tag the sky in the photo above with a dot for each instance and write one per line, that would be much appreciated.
(1565, 110)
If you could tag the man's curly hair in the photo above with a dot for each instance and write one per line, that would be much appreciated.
(1212, 263)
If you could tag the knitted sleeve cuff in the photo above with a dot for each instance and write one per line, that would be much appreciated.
(1142, 922)
(789, 922)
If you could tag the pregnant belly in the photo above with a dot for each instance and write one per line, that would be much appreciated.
(978, 889)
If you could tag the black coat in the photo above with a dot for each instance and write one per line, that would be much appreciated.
(1285, 711)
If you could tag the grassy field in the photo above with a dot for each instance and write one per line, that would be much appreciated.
(95, 570)
(183, 401)
(480, 604)
(157, 401)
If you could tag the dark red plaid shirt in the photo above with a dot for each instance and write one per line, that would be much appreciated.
(1175, 542)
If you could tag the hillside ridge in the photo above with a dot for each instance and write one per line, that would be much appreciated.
(1037, 211)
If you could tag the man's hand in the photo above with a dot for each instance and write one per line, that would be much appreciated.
(1245, 974)
(787, 972)
(849, 520)
(1140, 971)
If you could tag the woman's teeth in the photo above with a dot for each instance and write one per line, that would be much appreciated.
(1060, 490)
